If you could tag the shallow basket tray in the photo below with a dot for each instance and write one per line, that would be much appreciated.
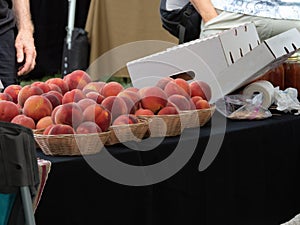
(130, 132)
(198, 117)
(71, 144)
(164, 125)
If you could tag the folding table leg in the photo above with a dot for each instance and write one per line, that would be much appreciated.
(27, 205)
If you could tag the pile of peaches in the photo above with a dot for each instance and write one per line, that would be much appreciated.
(77, 105)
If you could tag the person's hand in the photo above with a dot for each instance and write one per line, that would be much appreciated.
(25, 50)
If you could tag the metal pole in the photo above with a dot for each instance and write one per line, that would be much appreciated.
(71, 21)
(27, 205)
(1, 86)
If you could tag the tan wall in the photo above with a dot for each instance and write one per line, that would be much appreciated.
(112, 23)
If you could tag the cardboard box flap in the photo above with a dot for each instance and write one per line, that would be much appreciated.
(248, 68)
(284, 43)
(225, 61)
(237, 42)
(265, 56)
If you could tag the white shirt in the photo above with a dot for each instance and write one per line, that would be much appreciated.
(175, 4)
(278, 9)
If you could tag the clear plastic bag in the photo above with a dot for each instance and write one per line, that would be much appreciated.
(287, 100)
(239, 107)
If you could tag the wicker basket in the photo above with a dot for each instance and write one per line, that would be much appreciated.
(37, 131)
(164, 125)
(72, 144)
(196, 118)
(130, 132)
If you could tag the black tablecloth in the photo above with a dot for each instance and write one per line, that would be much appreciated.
(253, 180)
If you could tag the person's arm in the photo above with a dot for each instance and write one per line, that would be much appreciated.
(205, 8)
(24, 43)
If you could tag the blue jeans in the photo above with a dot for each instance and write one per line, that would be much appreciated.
(8, 70)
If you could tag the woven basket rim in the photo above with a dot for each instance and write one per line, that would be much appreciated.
(204, 115)
(212, 108)
(141, 121)
(70, 135)
(165, 115)
(139, 130)
(66, 144)
(171, 121)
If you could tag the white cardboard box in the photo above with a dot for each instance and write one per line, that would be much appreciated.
(225, 61)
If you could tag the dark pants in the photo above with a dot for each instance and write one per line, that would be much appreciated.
(8, 71)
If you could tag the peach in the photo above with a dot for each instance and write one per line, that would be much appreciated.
(69, 113)
(200, 88)
(55, 87)
(94, 86)
(202, 104)
(162, 82)
(54, 112)
(193, 101)
(168, 110)
(55, 101)
(47, 129)
(60, 83)
(61, 129)
(134, 96)
(88, 127)
(8, 110)
(57, 94)
(37, 107)
(98, 114)
(5, 96)
(73, 95)
(131, 94)
(44, 122)
(134, 89)
(184, 85)
(24, 121)
(172, 88)
(28, 91)
(84, 103)
(77, 79)
(116, 105)
(112, 88)
(95, 96)
(179, 101)
(20, 109)
(131, 107)
(143, 112)
(196, 98)
(13, 90)
(42, 85)
(125, 119)
(153, 98)
(85, 91)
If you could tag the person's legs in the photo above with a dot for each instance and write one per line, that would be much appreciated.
(280, 26)
(8, 71)
(267, 27)
(224, 21)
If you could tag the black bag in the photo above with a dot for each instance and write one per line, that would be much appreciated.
(18, 166)
(78, 56)
(17, 157)
(182, 23)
